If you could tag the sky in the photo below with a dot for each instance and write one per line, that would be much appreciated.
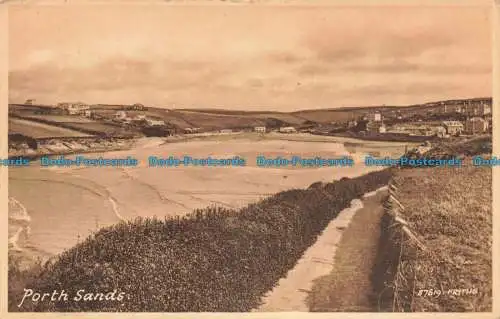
(258, 57)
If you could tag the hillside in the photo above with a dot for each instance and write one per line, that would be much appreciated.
(215, 119)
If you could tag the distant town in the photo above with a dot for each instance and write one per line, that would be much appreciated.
(32, 125)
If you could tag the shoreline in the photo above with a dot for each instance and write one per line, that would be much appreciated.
(58, 146)
(292, 137)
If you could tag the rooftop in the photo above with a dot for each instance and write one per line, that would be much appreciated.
(452, 123)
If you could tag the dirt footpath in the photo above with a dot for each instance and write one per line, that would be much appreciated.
(348, 286)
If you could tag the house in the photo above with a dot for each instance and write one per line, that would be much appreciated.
(489, 119)
(127, 120)
(402, 128)
(424, 148)
(427, 132)
(74, 108)
(374, 117)
(120, 115)
(260, 129)
(414, 129)
(352, 123)
(288, 129)
(226, 131)
(453, 127)
(439, 131)
(134, 107)
(476, 125)
(376, 127)
(88, 113)
(30, 102)
(485, 109)
(189, 130)
(444, 108)
(138, 107)
(152, 122)
(139, 117)
(480, 109)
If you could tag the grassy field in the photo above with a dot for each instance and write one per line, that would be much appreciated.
(61, 118)
(218, 121)
(262, 115)
(327, 116)
(40, 130)
(454, 223)
(100, 128)
(62, 126)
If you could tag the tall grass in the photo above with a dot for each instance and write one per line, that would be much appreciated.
(215, 259)
(454, 223)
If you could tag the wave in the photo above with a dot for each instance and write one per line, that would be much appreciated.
(115, 209)
(14, 240)
(18, 211)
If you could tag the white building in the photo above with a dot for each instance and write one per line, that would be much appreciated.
(225, 131)
(453, 127)
(155, 122)
(476, 125)
(260, 129)
(189, 130)
(422, 149)
(74, 108)
(481, 109)
(88, 113)
(374, 117)
(120, 115)
(138, 106)
(288, 129)
(376, 127)
(439, 131)
(352, 123)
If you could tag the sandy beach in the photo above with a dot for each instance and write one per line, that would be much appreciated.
(51, 209)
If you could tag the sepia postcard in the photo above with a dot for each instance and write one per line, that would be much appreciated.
(238, 157)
